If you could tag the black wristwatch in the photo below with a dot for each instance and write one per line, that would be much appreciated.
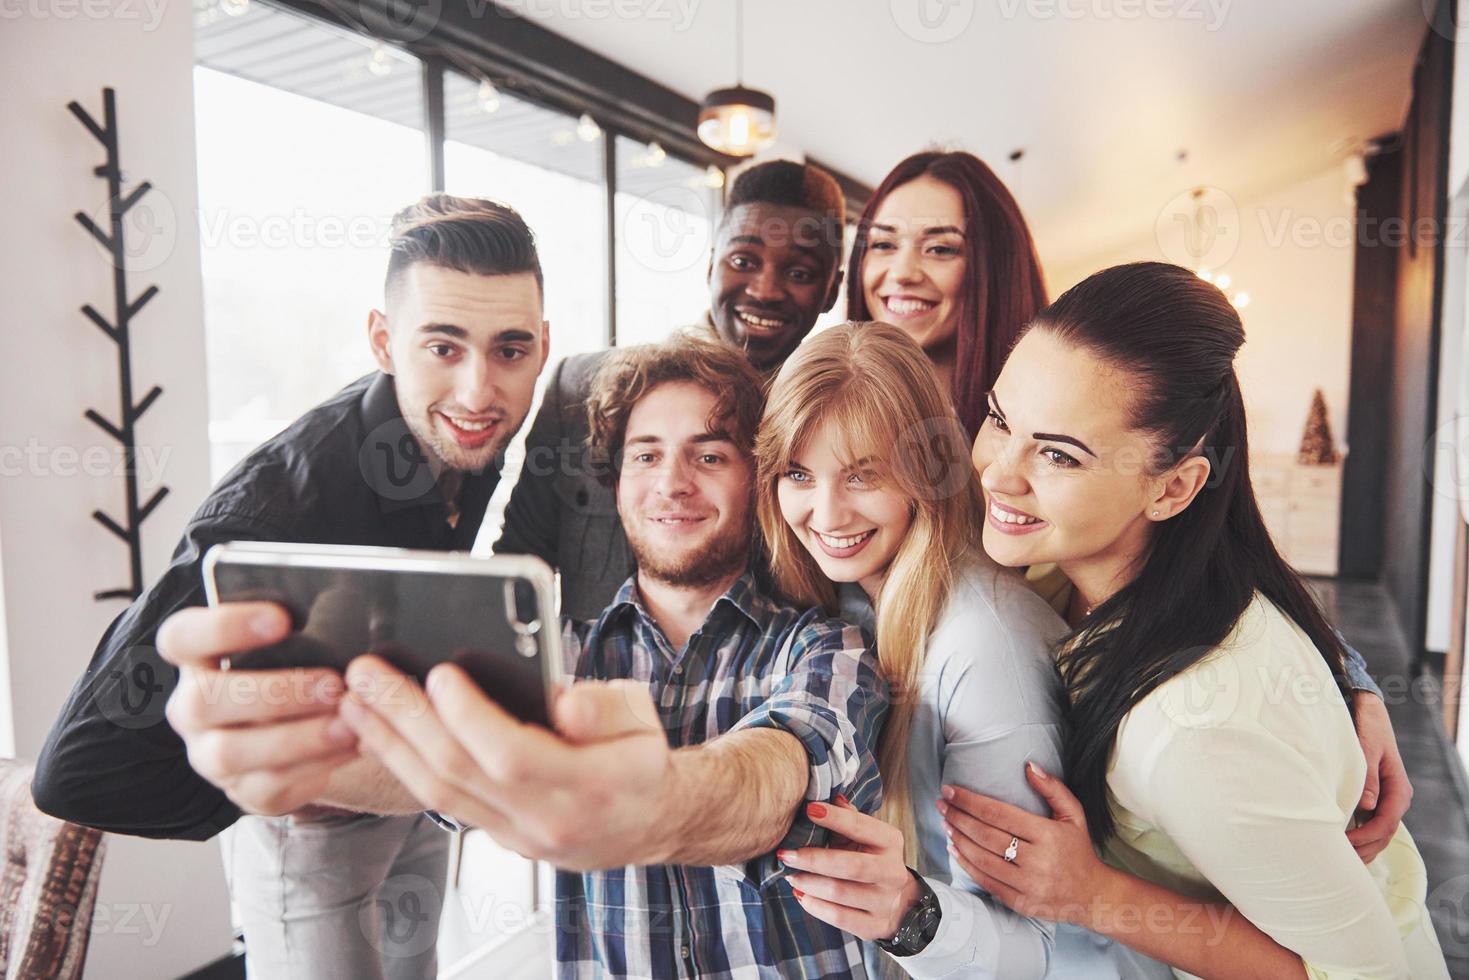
(919, 926)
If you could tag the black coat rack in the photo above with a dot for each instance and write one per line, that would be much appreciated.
(117, 330)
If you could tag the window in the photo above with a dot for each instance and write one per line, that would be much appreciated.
(308, 140)
(550, 169)
(666, 214)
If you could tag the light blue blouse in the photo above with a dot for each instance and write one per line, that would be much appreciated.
(989, 701)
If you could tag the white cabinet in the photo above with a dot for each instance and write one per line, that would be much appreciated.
(1302, 508)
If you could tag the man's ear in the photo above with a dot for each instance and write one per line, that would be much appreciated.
(1180, 486)
(836, 289)
(380, 340)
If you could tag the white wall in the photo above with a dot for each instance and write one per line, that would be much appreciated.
(1292, 251)
(162, 909)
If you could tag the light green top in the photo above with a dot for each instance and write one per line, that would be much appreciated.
(1236, 780)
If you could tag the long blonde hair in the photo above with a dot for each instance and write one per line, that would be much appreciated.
(872, 383)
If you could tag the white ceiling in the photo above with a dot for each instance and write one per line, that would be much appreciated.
(1101, 95)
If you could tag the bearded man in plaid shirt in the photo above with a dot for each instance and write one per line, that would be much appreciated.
(714, 718)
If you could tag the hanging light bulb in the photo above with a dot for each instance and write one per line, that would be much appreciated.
(380, 62)
(587, 128)
(1240, 300)
(1223, 280)
(489, 96)
(713, 177)
(738, 121)
(655, 155)
(234, 8)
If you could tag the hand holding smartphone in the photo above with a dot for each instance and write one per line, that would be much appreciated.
(494, 617)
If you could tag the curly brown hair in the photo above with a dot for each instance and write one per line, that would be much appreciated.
(629, 373)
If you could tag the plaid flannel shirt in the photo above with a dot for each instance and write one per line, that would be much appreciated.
(753, 664)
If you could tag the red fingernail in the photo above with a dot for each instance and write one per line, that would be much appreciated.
(783, 855)
(843, 801)
(798, 893)
(816, 810)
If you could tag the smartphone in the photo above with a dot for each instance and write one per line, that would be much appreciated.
(495, 617)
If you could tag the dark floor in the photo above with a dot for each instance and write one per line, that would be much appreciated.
(1439, 818)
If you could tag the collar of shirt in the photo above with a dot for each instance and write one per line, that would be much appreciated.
(743, 598)
(398, 469)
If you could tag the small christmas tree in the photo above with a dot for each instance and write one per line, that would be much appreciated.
(1316, 445)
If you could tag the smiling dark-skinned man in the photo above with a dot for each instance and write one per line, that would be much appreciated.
(775, 268)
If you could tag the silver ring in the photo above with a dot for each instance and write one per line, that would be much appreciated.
(1012, 850)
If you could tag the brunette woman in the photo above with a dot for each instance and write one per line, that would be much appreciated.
(1210, 747)
(943, 252)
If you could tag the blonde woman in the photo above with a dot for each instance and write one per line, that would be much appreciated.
(867, 502)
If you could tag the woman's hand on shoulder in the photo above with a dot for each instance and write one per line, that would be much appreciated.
(1039, 866)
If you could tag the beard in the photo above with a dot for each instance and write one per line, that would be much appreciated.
(441, 446)
(726, 552)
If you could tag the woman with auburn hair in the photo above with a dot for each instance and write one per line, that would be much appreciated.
(943, 252)
(1209, 744)
(867, 501)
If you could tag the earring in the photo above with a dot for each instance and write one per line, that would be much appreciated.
(1155, 513)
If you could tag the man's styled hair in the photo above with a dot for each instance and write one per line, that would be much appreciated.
(629, 373)
(466, 234)
(785, 183)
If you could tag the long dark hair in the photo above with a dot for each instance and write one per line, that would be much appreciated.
(1174, 337)
(1002, 287)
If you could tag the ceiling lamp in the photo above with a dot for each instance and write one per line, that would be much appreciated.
(738, 121)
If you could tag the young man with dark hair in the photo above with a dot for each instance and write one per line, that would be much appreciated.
(406, 457)
(708, 725)
(775, 268)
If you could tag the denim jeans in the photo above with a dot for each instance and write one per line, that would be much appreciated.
(338, 897)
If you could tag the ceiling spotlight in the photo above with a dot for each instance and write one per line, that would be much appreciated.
(587, 128)
(380, 62)
(489, 96)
